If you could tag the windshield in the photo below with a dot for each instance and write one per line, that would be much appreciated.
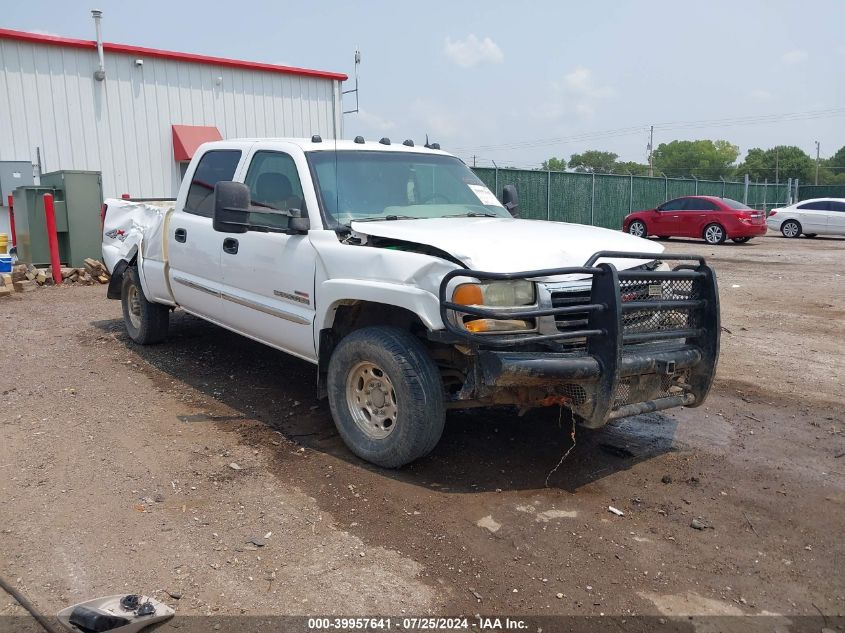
(370, 185)
(735, 204)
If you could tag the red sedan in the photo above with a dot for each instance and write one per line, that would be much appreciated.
(708, 217)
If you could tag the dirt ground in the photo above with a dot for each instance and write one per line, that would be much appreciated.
(206, 468)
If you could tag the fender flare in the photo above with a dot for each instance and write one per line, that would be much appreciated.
(336, 292)
(116, 282)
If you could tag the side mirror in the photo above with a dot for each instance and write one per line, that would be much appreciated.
(510, 198)
(231, 207)
(298, 224)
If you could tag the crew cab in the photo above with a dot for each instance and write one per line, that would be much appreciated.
(413, 289)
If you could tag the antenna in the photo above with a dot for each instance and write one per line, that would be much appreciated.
(357, 63)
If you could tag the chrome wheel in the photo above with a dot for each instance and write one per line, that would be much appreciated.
(790, 229)
(637, 228)
(371, 400)
(134, 300)
(714, 234)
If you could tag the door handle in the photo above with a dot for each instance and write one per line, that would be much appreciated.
(180, 235)
(230, 245)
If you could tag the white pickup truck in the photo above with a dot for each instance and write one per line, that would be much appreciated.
(413, 290)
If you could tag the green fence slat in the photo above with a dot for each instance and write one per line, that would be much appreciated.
(605, 199)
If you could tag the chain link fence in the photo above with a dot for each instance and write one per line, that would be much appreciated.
(805, 192)
(605, 199)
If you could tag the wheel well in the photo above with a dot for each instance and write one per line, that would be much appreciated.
(116, 280)
(719, 224)
(360, 314)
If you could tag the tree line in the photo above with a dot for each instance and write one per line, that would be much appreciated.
(711, 160)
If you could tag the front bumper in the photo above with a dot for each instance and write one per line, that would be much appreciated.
(632, 341)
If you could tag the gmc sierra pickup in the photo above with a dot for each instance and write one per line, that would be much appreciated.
(401, 276)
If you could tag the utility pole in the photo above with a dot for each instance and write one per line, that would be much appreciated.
(777, 165)
(650, 149)
(817, 162)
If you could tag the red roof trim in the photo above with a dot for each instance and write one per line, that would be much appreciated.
(37, 38)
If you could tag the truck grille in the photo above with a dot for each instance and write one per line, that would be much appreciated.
(641, 321)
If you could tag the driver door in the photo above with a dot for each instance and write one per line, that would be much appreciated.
(666, 218)
(268, 276)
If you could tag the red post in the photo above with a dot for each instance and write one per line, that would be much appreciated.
(12, 219)
(50, 215)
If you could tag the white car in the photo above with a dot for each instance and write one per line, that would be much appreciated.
(412, 289)
(819, 216)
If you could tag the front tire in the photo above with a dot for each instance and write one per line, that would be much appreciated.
(791, 229)
(638, 228)
(145, 322)
(386, 396)
(714, 234)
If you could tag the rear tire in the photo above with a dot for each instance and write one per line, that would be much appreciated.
(638, 228)
(145, 322)
(740, 240)
(714, 234)
(791, 229)
(386, 396)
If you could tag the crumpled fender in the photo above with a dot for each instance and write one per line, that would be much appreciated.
(380, 275)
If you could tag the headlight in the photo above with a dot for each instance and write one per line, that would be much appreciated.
(497, 294)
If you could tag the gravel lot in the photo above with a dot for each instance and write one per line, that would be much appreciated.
(206, 467)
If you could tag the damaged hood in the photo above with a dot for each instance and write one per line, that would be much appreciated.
(505, 245)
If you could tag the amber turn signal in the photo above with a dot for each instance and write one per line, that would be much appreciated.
(497, 325)
(468, 295)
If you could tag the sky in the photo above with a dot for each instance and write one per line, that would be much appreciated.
(519, 82)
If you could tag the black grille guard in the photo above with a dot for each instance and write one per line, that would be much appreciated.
(607, 342)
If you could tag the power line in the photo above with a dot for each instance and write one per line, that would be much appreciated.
(676, 125)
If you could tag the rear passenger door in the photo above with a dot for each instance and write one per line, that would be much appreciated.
(193, 245)
(268, 276)
(696, 214)
(836, 218)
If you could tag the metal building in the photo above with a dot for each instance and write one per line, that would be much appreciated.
(137, 114)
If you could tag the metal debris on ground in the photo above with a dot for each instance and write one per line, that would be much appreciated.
(566, 454)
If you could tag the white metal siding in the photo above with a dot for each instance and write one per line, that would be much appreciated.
(122, 126)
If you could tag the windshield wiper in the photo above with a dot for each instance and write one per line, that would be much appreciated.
(472, 214)
(376, 218)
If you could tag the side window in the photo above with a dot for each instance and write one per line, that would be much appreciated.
(673, 205)
(699, 204)
(213, 167)
(835, 205)
(274, 184)
(819, 205)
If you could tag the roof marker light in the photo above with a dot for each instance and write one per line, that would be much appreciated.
(384, 140)
(316, 139)
(359, 140)
(408, 142)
